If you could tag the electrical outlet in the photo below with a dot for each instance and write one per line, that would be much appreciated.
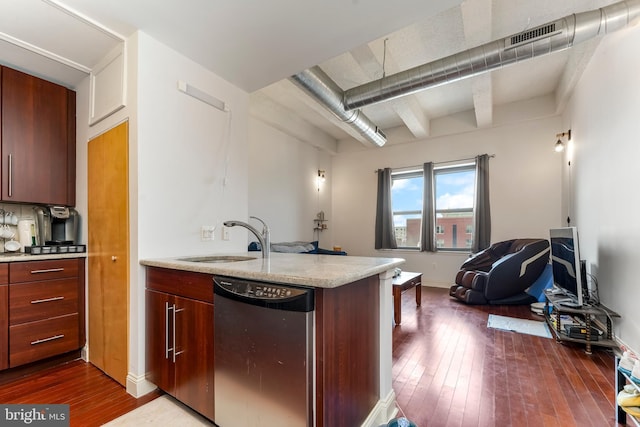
(207, 232)
(225, 233)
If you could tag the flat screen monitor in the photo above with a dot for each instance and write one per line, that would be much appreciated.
(565, 262)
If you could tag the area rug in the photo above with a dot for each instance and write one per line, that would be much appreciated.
(522, 326)
(163, 411)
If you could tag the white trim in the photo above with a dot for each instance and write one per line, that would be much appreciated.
(43, 52)
(384, 411)
(138, 385)
(85, 19)
(104, 66)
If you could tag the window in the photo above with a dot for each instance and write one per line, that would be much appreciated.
(406, 196)
(454, 193)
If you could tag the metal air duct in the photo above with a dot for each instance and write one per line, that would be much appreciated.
(554, 36)
(317, 83)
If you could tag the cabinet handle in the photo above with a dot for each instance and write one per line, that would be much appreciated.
(38, 301)
(48, 270)
(10, 173)
(43, 340)
(166, 329)
(175, 310)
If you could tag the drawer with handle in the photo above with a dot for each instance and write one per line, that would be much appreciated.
(29, 302)
(33, 341)
(30, 271)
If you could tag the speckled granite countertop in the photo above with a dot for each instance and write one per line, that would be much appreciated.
(319, 271)
(20, 256)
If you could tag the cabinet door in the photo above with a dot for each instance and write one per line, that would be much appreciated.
(160, 366)
(194, 354)
(36, 145)
(4, 326)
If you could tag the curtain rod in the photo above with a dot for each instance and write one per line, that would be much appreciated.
(491, 156)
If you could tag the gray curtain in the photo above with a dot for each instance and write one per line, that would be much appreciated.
(482, 225)
(385, 233)
(427, 243)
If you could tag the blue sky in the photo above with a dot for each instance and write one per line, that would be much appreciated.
(453, 191)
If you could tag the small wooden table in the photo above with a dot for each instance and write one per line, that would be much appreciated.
(404, 281)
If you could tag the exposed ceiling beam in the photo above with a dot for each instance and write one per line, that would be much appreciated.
(476, 19)
(407, 108)
(578, 59)
(267, 110)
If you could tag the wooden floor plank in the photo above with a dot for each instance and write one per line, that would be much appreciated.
(93, 398)
(477, 376)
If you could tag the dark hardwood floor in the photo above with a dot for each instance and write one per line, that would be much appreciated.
(92, 396)
(449, 369)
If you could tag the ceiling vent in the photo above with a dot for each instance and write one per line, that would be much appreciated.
(530, 35)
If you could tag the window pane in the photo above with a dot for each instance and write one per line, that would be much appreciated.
(454, 192)
(406, 196)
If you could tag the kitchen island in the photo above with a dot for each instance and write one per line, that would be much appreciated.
(352, 325)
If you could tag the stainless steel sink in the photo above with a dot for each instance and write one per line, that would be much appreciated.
(217, 258)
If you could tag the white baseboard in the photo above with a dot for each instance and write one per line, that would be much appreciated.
(138, 386)
(434, 284)
(383, 412)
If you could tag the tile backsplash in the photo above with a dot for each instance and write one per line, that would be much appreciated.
(16, 212)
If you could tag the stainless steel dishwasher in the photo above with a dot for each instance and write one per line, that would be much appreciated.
(263, 354)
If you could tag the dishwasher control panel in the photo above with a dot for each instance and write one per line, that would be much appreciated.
(264, 294)
(259, 290)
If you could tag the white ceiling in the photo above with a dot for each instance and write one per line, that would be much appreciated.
(256, 45)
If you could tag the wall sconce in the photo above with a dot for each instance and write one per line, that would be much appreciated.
(321, 178)
(559, 147)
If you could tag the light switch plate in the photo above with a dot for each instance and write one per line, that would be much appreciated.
(207, 232)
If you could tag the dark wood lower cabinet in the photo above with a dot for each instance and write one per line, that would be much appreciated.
(4, 327)
(180, 342)
(180, 337)
(347, 352)
(42, 313)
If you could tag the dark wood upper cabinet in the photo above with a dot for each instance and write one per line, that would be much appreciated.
(38, 140)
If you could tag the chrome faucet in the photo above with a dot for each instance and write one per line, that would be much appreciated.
(264, 237)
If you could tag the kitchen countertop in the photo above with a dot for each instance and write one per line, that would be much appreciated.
(21, 256)
(319, 271)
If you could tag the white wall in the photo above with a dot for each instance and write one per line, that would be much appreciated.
(180, 151)
(283, 189)
(603, 117)
(525, 189)
(192, 157)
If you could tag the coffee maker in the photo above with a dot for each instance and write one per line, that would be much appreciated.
(56, 225)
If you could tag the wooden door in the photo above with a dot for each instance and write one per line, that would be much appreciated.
(38, 140)
(108, 245)
(194, 354)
